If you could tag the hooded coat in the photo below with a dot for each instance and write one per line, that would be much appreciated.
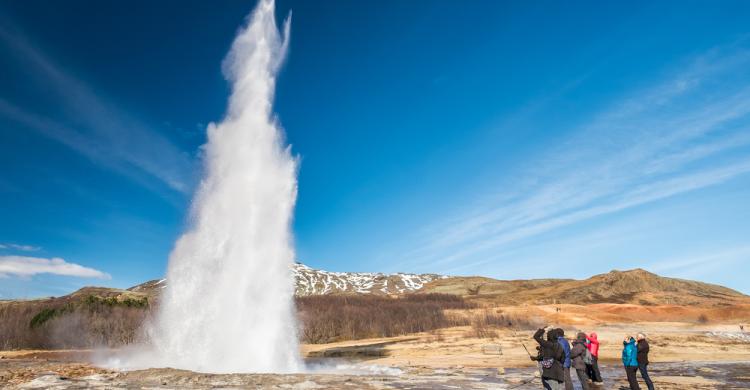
(630, 353)
(565, 346)
(593, 344)
(550, 349)
(643, 352)
(578, 352)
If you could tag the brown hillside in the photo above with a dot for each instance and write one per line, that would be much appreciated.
(629, 287)
(481, 286)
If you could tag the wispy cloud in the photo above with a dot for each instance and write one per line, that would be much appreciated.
(723, 264)
(93, 126)
(24, 266)
(20, 247)
(658, 142)
(688, 265)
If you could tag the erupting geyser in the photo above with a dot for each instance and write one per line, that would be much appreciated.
(228, 306)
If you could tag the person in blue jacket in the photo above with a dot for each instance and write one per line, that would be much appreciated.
(566, 364)
(630, 360)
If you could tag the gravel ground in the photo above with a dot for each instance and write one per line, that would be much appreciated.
(51, 374)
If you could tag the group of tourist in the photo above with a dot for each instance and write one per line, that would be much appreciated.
(556, 357)
(635, 358)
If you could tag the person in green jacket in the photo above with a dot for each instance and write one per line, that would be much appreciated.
(630, 360)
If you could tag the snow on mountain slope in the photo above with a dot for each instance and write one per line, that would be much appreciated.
(317, 282)
(311, 281)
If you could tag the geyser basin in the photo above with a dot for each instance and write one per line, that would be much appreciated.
(228, 306)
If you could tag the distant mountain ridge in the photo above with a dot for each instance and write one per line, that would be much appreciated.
(310, 281)
(635, 286)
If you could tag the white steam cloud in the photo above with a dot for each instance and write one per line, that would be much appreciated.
(228, 306)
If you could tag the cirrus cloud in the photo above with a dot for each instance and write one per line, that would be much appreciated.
(20, 247)
(686, 132)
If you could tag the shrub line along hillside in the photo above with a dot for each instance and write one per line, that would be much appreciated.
(93, 317)
(74, 321)
(86, 320)
(327, 318)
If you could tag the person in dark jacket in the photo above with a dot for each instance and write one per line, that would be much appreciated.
(551, 358)
(538, 359)
(642, 347)
(577, 355)
(630, 360)
(560, 334)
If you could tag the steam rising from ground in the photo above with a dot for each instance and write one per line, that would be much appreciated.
(228, 306)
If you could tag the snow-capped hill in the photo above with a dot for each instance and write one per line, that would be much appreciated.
(311, 281)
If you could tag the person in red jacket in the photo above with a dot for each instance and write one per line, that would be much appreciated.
(592, 369)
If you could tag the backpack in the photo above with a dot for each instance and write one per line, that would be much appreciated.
(587, 359)
(549, 362)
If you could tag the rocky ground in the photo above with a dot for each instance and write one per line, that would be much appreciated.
(35, 374)
(685, 356)
(446, 348)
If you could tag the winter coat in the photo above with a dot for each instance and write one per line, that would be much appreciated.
(630, 353)
(643, 352)
(550, 351)
(593, 344)
(578, 352)
(566, 350)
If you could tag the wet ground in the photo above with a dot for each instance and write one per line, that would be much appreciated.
(51, 374)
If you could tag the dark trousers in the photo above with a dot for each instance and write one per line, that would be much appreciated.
(592, 370)
(551, 384)
(568, 380)
(583, 378)
(643, 368)
(630, 371)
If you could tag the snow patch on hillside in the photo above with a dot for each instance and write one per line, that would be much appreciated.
(311, 281)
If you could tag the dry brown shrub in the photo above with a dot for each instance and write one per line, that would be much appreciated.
(482, 324)
(474, 290)
(328, 318)
(437, 336)
(66, 323)
(93, 321)
(485, 323)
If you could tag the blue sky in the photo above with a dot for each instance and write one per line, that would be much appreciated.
(506, 139)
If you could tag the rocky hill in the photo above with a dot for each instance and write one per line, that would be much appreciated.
(310, 281)
(617, 287)
(632, 287)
